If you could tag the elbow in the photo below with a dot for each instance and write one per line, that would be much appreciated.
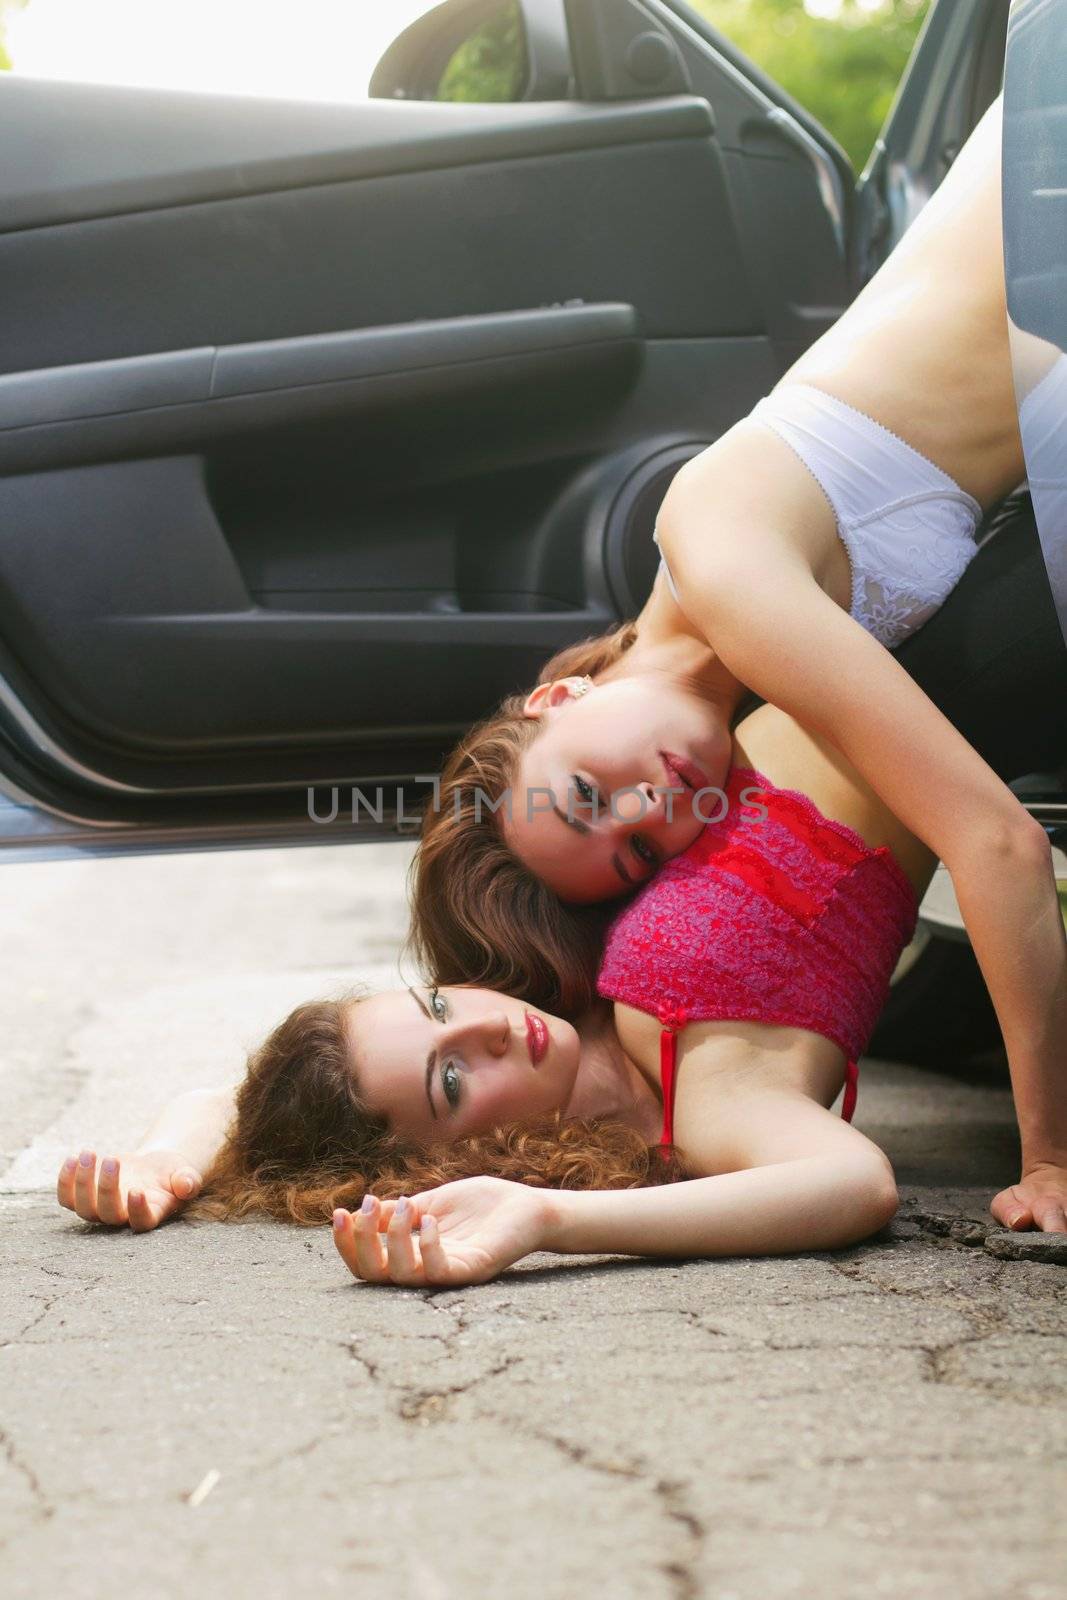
(872, 1198)
(1011, 842)
(883, 1199)
(1035, 842)
(1021, 839)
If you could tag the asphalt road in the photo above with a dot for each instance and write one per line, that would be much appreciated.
(216, 1410)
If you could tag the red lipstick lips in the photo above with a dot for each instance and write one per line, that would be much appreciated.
(536, 1038)
(686, 771)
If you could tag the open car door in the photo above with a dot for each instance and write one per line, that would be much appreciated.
(322, 426)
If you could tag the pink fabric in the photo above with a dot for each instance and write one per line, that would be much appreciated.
(793, 919)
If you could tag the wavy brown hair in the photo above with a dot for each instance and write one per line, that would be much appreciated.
(479, 915)
(304, 1142)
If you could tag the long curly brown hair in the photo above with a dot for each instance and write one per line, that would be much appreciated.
(478, 914)
(304, 1142)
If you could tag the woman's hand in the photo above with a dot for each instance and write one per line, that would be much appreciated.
(1038, 1200)
(141, 1189)
(463, 1232)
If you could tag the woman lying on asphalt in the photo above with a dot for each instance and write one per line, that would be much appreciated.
(800, 545)
(758, 959)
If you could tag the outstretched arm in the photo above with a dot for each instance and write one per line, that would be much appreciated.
(823, 1185)
(467, 1232)
(149, 1184)
(792, 644)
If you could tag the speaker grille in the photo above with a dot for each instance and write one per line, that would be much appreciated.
(631, 554)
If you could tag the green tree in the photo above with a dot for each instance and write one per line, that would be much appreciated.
(843, 69)
(7, 6)
(491, 64)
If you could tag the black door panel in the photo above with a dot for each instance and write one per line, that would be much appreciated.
(76, 151)
(341, 585)
(604, 225)
(321, 427)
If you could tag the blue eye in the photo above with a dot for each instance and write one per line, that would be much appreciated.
(437, 999)
(450, 1082)
(586, 793)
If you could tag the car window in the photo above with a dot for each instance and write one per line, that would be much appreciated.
(840, 59)
(310, 50)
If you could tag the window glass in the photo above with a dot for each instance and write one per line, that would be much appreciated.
(841, 59)
(291, 49)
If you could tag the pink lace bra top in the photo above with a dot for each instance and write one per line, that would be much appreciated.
(787, 918)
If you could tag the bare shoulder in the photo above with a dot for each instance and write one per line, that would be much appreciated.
(751, 1093)
(747, 1094)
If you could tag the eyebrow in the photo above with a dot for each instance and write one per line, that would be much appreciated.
(430, 1059)
(621, 870)
(572, 822)
(583, 827)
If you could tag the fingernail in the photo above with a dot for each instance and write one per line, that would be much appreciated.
(86, 1158)
(109, 1166)
(339, 1219)
(427, 1224)
(402, 1207)
(1013, 1219)
(70, 1163)
(368, 1205)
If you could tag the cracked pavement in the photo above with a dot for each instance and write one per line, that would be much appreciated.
(222, 1410)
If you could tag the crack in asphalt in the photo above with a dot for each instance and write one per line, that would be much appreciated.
(682, 1571)
(49, 1302)
(460, 1320)
(427, 1406)
(987, 1321)
(418, 1403)
(669, 1493)
(43, 1507)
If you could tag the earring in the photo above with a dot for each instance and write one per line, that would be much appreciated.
(584, 687)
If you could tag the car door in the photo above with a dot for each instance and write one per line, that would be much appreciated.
(322, 426)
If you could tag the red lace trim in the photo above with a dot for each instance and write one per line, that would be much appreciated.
(762, 875)
(813, 828)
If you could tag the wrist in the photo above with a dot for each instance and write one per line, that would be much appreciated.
(1042, 1139)
(1038, 1160)
(556, 1206)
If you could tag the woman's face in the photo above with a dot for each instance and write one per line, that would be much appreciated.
(645, 734)
(442, 1063)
